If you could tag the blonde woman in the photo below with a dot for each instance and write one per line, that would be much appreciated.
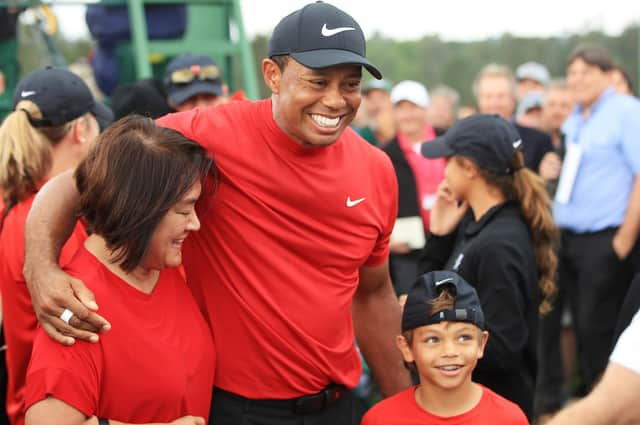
(50, 130)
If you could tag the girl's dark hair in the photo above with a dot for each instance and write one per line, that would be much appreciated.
(527, 188)
(133, 175)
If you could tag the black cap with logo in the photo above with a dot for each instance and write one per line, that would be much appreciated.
(489, 140)
(60, 95)
(427, 288)
(319, 36)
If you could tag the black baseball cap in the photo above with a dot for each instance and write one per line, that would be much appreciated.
(489, 140)
(180, 92)
(60, 95)
(319, 36)
(145, 97)
(427, 288)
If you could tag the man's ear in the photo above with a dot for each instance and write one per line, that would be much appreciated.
(272, 75)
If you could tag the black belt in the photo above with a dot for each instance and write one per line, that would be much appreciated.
(302, 405)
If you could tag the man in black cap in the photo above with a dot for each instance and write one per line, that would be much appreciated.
(294, 242)
(194, 81)
(190, 81)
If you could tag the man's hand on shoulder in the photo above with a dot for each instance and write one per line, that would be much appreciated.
(52, 291)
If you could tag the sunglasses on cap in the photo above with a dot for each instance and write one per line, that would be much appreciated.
(187, 75)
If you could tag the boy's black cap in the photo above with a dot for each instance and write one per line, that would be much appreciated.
(61, 96)
(489, 140)
(320, 35)
(427, 288)
(179, 93)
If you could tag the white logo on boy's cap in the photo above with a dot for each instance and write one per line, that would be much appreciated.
(517, 143)
(27, 93)
(440, 282)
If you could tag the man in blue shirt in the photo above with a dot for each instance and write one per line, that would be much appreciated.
(597, 206)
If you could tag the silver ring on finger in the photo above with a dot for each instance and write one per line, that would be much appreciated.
(66, 315)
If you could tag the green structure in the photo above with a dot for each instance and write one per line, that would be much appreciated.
(214, 28)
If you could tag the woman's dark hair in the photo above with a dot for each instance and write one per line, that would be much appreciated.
(133, 175)
(527, 188)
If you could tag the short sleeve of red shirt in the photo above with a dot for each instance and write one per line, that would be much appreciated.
(74, 379)
(193, 124)
(19, 320)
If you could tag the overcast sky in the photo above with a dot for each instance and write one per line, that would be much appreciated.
(451, 20)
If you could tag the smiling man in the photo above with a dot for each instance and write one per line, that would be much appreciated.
(294, 242)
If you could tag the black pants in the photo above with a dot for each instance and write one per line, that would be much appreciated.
(404, 270)
(550, 392)
(596, 281)
(231, 409)
(629, 308)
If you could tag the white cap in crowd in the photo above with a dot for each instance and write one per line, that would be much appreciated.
(533, 71)
(411, 91)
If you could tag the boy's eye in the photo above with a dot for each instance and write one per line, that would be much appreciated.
(431, 340)
(464, 337)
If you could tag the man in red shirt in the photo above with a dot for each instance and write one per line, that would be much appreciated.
(293, 243)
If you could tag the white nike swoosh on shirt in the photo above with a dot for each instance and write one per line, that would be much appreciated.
(330, 32)
(353, 203)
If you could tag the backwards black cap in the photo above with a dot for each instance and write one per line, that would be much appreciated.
(320, 35)
(489, 140)
(427, 288)
(61, 96)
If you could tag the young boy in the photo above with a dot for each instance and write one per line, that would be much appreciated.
(443, 337)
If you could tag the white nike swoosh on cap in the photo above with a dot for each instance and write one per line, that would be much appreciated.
(517, 143)
(440, 282)
(330, 32)
(27, 93)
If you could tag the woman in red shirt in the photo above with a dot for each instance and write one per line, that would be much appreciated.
(50, 131)
(138, 190)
